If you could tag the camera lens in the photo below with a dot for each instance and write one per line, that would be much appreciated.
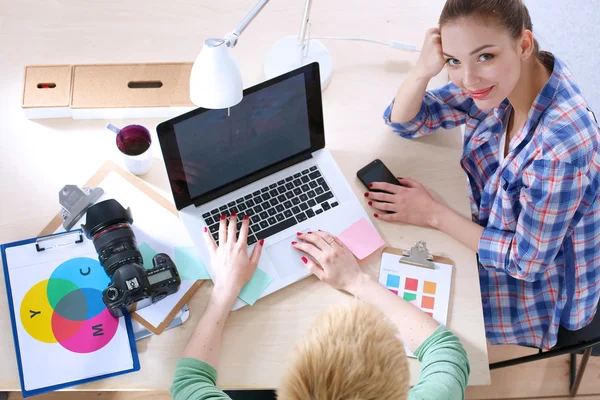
(108, 225)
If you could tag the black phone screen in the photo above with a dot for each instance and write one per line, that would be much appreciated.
(376, 171)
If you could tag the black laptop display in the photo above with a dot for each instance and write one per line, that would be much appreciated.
(278, 123)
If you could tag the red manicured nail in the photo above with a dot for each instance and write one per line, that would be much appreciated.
(205, 229)
(304, 260)
(367, 194)
(376, 216)
(233, 214)
(309, 232)
(370, 185)
(294, 243)
(398, 178)
(246, 217)
(261, 241)
(223, 216)
(370, 203)
(298, 233)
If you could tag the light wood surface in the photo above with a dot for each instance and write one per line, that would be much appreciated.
(38, 157)
(542, 380)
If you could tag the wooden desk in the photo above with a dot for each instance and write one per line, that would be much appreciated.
(38, 157)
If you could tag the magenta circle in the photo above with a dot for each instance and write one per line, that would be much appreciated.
(94, 334)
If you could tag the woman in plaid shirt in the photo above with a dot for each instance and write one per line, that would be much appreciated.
(531, 154)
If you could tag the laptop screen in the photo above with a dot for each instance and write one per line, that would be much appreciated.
(211, 152)
(222, 146)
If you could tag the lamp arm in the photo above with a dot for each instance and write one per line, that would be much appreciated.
(232, 37)
(305, 19)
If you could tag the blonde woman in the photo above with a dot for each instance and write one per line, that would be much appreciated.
(351, 353)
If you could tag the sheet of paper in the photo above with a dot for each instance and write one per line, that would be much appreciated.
(65, 332)
(425, 288)
(361, 238)
(189, 265)
(255, 287)
(157, 312)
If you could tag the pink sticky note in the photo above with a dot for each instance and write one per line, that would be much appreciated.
(361, 238)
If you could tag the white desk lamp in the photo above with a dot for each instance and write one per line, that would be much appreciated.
(216, 81)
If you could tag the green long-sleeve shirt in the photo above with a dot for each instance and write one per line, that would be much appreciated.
(444, 373)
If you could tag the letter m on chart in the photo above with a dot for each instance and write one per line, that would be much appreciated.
(98, 331)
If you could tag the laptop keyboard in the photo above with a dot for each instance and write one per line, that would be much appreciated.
(277, 206)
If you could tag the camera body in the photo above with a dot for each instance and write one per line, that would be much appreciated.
(132, 287)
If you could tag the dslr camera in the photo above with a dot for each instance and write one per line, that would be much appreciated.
(132, 287)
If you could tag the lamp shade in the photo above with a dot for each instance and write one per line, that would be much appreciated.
(216, 81)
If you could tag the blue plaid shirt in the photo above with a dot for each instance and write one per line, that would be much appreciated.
(539, 255)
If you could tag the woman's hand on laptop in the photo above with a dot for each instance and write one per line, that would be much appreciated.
(232, 268)
(335, 264)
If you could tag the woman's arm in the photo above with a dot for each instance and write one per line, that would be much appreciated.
(554, 197)
(415, 112)
(450, 222)
(412, 204)
(407, 102)
(412, 90)
(232, 270)
(196, 371)
(338, 267)
(205, 342)
(444, 368)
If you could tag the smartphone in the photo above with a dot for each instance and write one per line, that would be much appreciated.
(376, 171)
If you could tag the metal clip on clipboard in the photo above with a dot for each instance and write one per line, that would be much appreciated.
(418, 255)
(59, 240)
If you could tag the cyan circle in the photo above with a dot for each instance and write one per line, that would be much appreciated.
(84, 272)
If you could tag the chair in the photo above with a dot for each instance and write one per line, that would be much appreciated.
(569, 342)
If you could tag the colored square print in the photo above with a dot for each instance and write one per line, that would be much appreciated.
(428, 302)
(393, 291)
(409, 296)
(393, 281)
(411, 284)
(429, 287)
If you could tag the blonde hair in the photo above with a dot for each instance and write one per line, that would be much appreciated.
(350, 353)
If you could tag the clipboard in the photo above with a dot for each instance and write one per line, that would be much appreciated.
(418, 277)
(94, 181)
(418, 256)
(45, 332)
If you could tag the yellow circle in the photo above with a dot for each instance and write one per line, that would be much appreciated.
(36, 313)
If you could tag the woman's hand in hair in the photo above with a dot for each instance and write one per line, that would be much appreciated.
(431, 61)
(335, 264)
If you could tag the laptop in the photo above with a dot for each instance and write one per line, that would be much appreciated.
(265, 158)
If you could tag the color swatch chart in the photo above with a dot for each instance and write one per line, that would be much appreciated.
(426, 288)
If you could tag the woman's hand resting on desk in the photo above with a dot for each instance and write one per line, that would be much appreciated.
(336, 264)
(410, 203)
(232, 268)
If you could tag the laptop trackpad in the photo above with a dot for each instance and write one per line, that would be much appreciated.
(286, 259)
